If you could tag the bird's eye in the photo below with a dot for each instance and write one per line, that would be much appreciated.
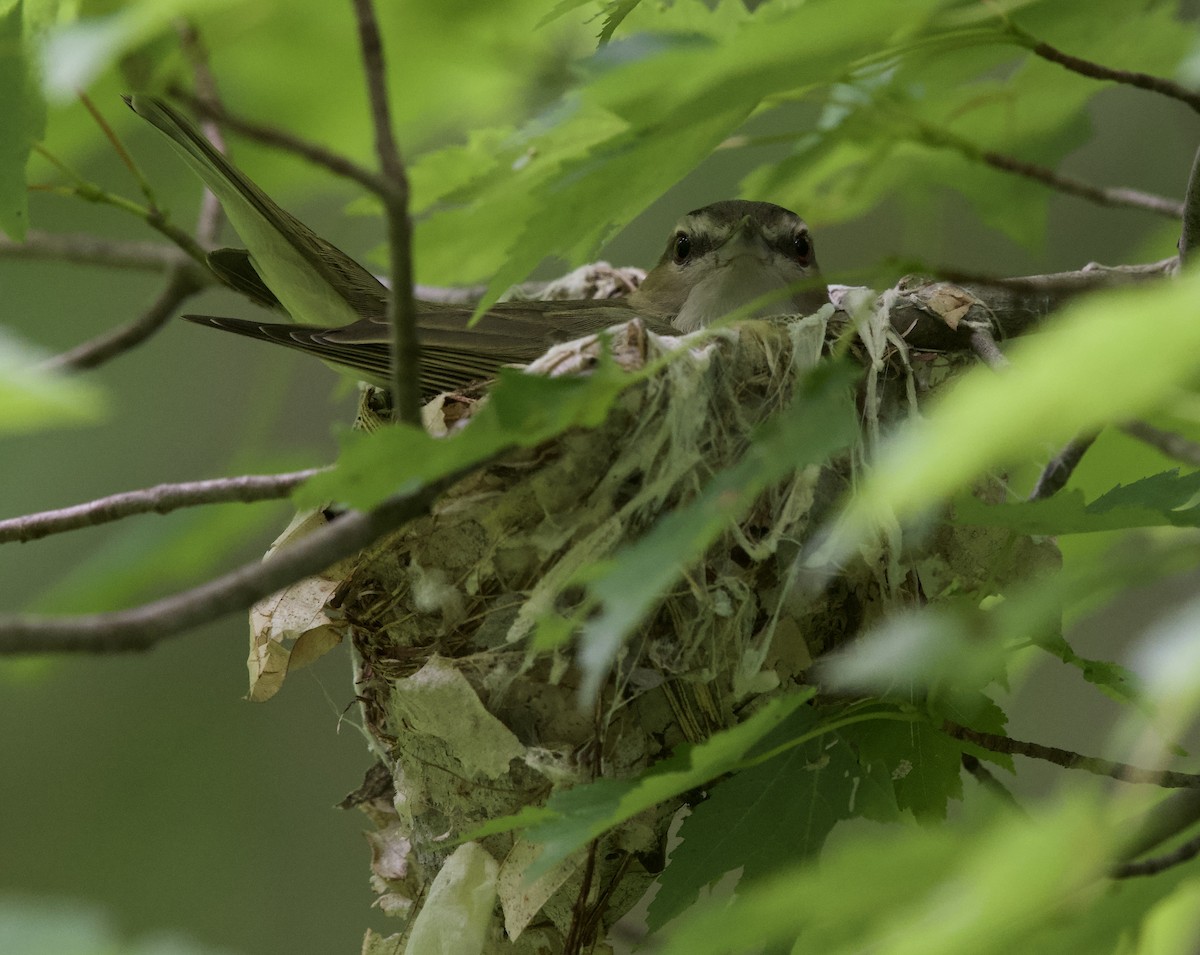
(802, 246)
(683, 247)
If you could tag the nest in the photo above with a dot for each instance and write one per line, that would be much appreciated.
(471, 721)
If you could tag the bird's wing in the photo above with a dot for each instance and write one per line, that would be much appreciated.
(454, 354)
(315, 281)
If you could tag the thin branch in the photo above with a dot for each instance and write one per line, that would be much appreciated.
(1119, 197)
(140, 628)
(1168, 442)
(1184, 853)
(278, 138)
(936, 136)
(402, 312)
(1058, 469)
(160, 499)
(208, 221)
(82, 249)
(1124, 772)
(183, 283)
(119, 148)
(1176, 814)
(1096, 71)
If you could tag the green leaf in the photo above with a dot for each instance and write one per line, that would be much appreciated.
(925, 764)
(914, 124)
(1160, 500)
(32, 398)
(1039, 400)
(986, 886)
(763, 818)
(819, 422)
(521, 411)
(574, 817)
(655, 104)
(35, 926)
(24, 114)
(77, 52)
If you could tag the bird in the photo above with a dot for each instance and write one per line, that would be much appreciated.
(726, 256)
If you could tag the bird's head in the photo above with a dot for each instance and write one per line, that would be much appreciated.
(726, 255)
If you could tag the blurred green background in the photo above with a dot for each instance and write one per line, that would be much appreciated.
(144, 785)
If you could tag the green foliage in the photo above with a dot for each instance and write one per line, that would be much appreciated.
(993, 419)
(574, 817)
(1167, 499)
(764, 818)
(31, 926)
(23, 111)
(996, 883)
(523, 411)
(32, 399)
(525, 142)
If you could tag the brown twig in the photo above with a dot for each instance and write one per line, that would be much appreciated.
(160, 499)
(1058, 469)
(1124, 772)
(118, 147)
(82, 249)
(932, 135)
(1096, 71)
(208, 221)
(1118, 197)
(1168, 442)
(1184, 853)
(1176, 814)
(182, 283)
(140, 628)
(278, 138)
(402, 312)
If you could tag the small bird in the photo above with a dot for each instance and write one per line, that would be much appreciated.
(720, 258)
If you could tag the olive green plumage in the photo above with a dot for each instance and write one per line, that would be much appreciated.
(718, 258)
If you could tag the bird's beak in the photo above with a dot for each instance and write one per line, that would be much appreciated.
(745, 239)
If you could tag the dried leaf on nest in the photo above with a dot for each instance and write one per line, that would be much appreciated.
(289, 629)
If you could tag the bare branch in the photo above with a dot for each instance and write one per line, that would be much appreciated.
(1184, 853)
(1068, 760)
(1168, 442)
(1096, 71)
(208, 221)
(81, 249)
(273, 136)
(140, 628)
(160, 499)
(1131, 198)
(1059, 469)
(940, 137)
(1167, 819)
(402, 312)
(119, 148)
(184, 282)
